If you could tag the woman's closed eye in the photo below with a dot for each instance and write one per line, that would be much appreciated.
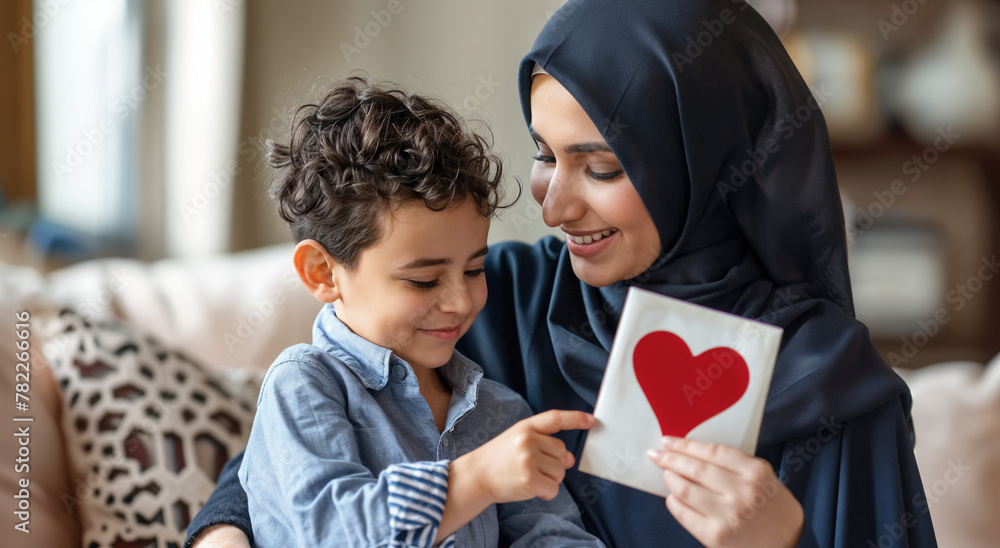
(595, 175)
(604, 176)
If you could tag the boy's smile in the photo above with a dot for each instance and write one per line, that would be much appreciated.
(421, 286)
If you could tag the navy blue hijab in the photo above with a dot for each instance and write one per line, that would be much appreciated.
(728, 150)
(727, 147)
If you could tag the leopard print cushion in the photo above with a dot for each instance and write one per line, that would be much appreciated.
(147, 432)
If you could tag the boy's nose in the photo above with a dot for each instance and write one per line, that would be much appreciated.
(456, 299)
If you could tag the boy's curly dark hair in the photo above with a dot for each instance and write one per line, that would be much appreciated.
(366, 148)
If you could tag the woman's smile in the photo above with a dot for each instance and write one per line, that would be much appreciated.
(591, 244)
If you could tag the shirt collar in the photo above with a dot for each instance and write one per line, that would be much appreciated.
(372, 363)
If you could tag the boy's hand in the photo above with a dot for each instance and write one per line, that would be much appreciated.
(525, 461)
(522, 463)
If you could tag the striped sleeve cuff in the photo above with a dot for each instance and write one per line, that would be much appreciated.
(417, 492)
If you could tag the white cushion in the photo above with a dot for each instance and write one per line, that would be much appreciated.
(232, 312)
(956, 416)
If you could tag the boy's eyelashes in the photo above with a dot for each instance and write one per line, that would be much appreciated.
(431, 284)
(422, 285)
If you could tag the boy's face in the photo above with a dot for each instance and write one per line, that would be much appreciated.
(419, 289)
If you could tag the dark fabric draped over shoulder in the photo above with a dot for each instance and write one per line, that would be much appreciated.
(728, 149)
(733, 162)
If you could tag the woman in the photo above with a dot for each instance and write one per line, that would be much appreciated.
(681, 152)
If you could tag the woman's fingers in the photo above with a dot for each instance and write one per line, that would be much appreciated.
(702, 472)
(693, 494)
(690, 519)
(721, 455)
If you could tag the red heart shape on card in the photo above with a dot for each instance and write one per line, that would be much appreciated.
(686, 390)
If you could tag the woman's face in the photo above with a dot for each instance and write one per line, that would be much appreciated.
(584, 191)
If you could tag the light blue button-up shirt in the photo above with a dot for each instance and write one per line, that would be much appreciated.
(344, 451)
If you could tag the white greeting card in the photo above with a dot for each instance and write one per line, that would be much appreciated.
(679, 369)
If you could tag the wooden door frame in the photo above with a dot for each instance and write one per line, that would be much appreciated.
(17, 100)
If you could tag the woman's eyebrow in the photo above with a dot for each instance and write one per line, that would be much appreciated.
(578, 148)
(587, 147)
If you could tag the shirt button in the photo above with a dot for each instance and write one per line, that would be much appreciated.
(398, 372)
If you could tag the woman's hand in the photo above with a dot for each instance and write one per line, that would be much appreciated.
(222, 536)
(726, 498)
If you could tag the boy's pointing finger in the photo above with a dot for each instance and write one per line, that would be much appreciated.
(556, 420)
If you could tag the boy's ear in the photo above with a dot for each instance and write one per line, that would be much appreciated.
(315, 268)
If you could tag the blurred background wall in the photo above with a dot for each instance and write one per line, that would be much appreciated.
(134, 128)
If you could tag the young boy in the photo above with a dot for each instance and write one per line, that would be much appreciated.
(379, 433)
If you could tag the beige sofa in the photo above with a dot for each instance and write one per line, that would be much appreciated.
(229, 316)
